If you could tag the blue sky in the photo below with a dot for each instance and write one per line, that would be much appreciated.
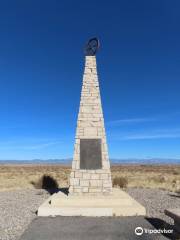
(41, 67)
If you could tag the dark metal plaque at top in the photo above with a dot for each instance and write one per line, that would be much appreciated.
(90, 154)
(92, 47)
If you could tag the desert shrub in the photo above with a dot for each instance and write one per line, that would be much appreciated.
(158, 179)
(162, 179)
(122, 182)
(176, 185)
(178, 191)
(45, 182)
(175, 172)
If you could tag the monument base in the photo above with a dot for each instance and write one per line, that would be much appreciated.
(118, 203)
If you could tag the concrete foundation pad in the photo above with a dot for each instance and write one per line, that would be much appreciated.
(118, 203)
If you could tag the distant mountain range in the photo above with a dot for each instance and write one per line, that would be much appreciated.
(68, 161)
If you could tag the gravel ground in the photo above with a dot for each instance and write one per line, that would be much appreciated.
(18, 208)
(156, 201)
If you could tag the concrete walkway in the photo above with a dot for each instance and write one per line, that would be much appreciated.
(88, 228)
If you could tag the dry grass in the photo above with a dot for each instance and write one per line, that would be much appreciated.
(22, 176)
(148, 176)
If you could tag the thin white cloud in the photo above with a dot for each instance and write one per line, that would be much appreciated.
(154, 134)
(43, 145)
(129, 121)
(162, 117)
(150, 136)
(28, 145)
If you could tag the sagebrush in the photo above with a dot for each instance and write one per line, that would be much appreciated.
(122, 182)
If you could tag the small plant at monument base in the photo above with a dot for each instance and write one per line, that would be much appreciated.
(121, 182)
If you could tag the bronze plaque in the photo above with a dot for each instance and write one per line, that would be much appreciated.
(90, 154)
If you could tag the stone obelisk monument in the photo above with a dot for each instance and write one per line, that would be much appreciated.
(90, 167)
(90, 190)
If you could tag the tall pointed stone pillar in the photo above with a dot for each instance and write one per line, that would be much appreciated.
(90, 173)
(90, 167)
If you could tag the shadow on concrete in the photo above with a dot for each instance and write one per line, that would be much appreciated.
(64, 190)
(160, 224)
(51, 191)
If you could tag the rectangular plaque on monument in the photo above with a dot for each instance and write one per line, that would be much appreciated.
(90, 154)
